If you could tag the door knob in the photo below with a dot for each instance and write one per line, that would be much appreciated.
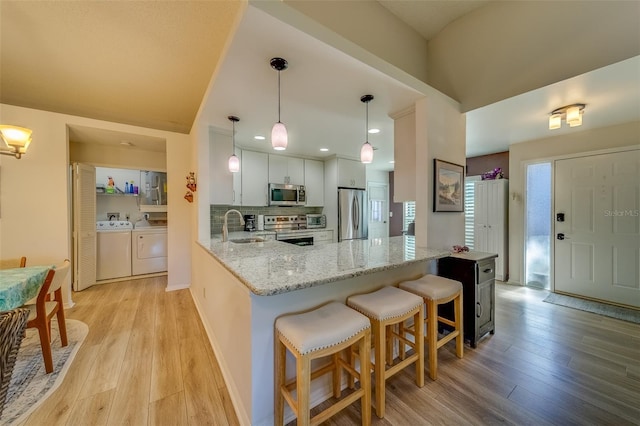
(560, 236)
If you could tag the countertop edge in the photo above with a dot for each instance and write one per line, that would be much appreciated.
(317, 282)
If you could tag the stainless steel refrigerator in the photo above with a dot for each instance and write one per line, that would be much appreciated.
(352, 214)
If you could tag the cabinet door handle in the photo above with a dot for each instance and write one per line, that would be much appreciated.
(478, 305)
(488, 271)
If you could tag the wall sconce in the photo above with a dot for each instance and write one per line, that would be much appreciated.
(571, 113)
(17, 140)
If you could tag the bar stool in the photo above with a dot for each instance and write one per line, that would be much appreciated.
(436, 291)
(387, 308)
(325, 331)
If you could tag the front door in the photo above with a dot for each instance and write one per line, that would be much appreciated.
(597, 227)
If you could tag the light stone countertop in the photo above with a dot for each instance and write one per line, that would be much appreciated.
(274, 267)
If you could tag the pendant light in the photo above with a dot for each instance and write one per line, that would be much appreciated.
(234, 161)
(279, 138)
(366, 152)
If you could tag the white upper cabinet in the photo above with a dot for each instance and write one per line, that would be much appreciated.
(220, 147)
(286, 170)
(255, 178)
(314, 182)
(351, 174)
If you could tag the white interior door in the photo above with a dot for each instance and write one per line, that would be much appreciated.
(597, 244)
(378, 210)
(84, 226)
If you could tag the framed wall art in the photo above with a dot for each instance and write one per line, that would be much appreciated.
(448, 191)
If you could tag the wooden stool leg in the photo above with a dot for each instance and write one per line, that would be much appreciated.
(303, 380)
(365, 378)
(380, 347)
(390, 344)
(351, 360)
(402, 349)
(457, 306)
(418, 321)
(432, 336)
(281, 357)
(337, 375)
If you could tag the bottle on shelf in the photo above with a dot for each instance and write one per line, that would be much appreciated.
(126, 187)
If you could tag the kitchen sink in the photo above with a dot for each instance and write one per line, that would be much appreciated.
(247, 240)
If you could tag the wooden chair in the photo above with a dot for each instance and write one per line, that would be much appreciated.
(13, 263)
(41, 313)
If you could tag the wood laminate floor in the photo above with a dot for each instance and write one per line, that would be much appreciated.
(146, 360)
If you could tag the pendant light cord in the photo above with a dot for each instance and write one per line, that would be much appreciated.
(366, 130)
(278, 96)
(233, 136)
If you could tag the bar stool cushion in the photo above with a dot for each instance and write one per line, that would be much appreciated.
(321, 328)
(386, 303)
(432, 287)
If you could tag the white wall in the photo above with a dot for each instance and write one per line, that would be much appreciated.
(549, 148)
(440, 133)
(35, 202)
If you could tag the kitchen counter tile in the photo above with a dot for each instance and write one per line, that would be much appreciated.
(273, 267)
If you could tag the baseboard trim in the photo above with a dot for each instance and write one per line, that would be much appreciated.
(243, 416)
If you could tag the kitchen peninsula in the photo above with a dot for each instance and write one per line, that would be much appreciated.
(246, 286)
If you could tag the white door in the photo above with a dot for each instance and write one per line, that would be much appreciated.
(378, 210)
(597, 240)
(84, 226)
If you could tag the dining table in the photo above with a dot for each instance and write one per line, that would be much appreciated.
(18, 285)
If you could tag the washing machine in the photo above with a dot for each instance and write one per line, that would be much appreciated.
(148, 250)
(113, 249)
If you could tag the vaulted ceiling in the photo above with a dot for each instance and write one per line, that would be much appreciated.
(150, 64)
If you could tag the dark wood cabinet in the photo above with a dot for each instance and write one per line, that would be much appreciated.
(476, 272)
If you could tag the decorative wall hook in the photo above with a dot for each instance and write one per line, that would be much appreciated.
(191, 182)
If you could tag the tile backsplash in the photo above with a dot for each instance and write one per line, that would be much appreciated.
(233, 221)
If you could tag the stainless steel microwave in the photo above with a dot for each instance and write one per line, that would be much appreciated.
(281, 194)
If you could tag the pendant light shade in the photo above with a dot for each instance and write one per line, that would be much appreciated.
(234, 161)
(279, 137)
(366, 152)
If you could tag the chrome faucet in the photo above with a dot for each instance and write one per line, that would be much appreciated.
(225, 231)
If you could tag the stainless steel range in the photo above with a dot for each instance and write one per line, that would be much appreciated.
(290, 229)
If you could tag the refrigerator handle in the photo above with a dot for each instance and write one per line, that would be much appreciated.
(357, 213)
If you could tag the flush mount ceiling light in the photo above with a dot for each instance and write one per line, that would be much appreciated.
(571, 113)
(17, 140)
(279, 138)
(234, 161)
(366, 152)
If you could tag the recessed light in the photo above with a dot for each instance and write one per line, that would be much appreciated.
(373, 131)
(259, 138)
(324, 149)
